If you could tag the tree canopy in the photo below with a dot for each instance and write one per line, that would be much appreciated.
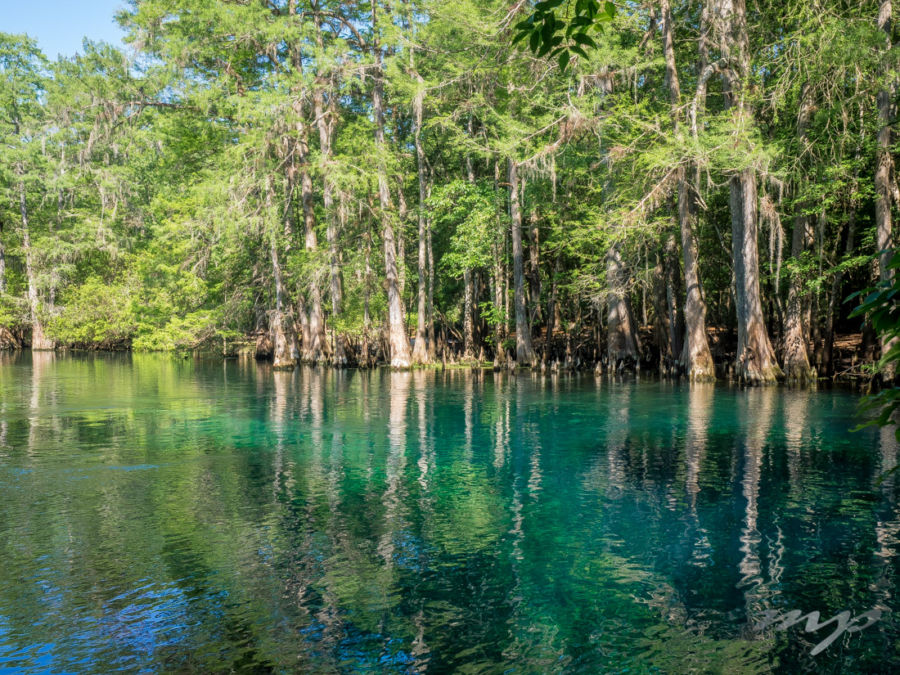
(690, 186)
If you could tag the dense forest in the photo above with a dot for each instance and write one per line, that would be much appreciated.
(693, 186)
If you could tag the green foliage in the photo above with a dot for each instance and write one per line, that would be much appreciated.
(560, 28)
(96, 314)
(469, 211)
(164, 184)
(880, 306)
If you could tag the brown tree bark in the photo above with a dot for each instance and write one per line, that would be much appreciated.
(325, 122)
(39, 341)
(280, 325)
(524, 350)
(797, 368)
(420, 350)
(534, 269)
(315, 344)
(674, 296)
(796, 357)
(468, 323)
(432, 338)
(695, 356)
(400, 351)
(836, 282)
(755, 359)
(884, 168)
(621, 338)
(552, 304)
(2, 263)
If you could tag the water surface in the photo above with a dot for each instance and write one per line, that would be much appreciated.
(174, 515)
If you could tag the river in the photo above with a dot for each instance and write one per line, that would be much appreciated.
(160, 514)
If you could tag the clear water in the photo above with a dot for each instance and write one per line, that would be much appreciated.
(168, 515)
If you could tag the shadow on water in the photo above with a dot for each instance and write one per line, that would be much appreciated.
(168, 514)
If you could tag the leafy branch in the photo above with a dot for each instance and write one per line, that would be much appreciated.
(560, 28)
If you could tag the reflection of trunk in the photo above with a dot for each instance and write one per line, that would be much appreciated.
(420, 351)
(796, 424)
(38, 340)
(622, 347)
(757, 423)
(887, 530)
(502, 426)
(884, 168)
(392, 500)
(400, 352)
(618, 428)
(700, 398)
(796, 358)
(524, 350)
(40, 362)
(755, 361)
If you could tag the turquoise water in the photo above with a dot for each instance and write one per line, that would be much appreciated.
(167, 515)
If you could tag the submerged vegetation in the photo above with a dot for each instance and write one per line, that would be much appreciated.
(690, 186)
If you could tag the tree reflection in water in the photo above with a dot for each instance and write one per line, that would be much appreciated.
(165, 514)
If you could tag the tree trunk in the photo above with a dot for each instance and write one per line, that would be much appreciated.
(366, 295)
(673, 296)
(468, 324)
(884, 170)
(39, 341)
(420, 350)
(755, 359)
(662, 321)
(402, 213)
(497, 283)
(622, 345)
(534, 270)
(796, 358)
(2, 263)
(315, 343)
(524, 350)
(339, 356)
(696, 358)
(280, 324)
(552, 305)
(325, 123)
(836, 282)
(432, 344)
(400, 352)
